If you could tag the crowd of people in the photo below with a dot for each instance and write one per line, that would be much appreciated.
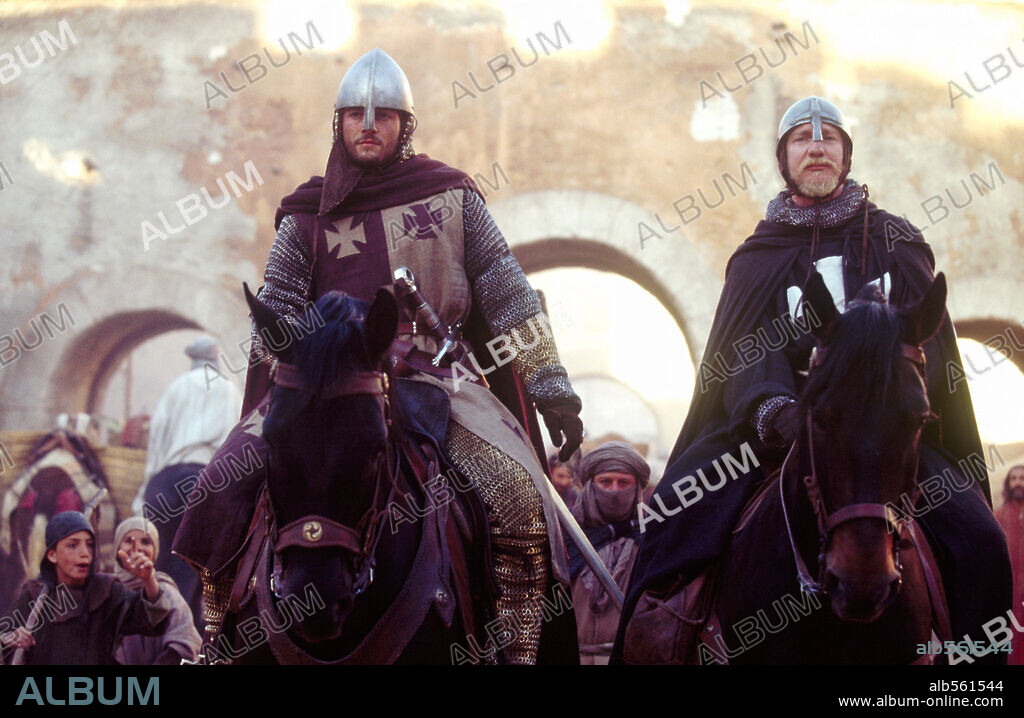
(139, 616)
(331, 238)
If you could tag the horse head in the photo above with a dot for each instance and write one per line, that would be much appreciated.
(330, 468)
(864, 407)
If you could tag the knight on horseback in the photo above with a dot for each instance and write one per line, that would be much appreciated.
(755, 368)
(378, 208)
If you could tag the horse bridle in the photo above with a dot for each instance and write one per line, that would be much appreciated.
(315, 531)
(829, 521)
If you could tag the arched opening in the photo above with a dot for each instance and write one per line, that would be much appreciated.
(993, 361)
(90, 362)
(553, 253)
(625, 352)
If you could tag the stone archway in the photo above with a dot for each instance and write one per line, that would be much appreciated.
(997, 334)
(69, 372)
(557, 228)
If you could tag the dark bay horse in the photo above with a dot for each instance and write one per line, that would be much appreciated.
(327, 577)
(823, 571)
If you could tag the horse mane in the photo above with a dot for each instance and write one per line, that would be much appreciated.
(333, 349)
(336, 347)
(861, 369)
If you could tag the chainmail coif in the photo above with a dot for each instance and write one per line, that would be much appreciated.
(782, 209)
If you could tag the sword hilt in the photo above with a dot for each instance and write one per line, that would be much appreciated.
(405, 283)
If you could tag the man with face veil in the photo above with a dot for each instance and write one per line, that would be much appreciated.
(614, 476)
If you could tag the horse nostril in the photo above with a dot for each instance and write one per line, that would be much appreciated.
(894, 587)
(831, 583)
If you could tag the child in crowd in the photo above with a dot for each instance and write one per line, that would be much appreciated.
(85, 614)
(179, 638)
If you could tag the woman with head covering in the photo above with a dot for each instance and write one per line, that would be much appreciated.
(179, 638)
(563, 476)
(614, 476)
(81, 615)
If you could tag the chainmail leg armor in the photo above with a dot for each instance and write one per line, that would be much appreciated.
(216, 595)
(518, 534)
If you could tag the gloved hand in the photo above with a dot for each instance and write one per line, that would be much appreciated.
(561, 417)
(784, 428)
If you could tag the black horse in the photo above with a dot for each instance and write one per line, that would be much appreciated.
(825, 532)
(328, 576)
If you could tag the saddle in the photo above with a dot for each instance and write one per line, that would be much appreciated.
(670, 624)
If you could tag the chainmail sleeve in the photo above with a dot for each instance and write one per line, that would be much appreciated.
(287, 278)
(511, 306)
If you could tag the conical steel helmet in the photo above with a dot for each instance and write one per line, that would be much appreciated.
(815, 110)
(375, 80)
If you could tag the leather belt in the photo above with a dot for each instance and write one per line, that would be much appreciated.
(407, 359)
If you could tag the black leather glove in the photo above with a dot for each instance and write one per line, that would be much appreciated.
(784, 428)
(562, 417)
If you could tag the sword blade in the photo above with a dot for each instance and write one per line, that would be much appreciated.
(572, 528)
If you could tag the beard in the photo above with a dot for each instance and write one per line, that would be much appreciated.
(1016, 493)
(822, 187)
(818, 184)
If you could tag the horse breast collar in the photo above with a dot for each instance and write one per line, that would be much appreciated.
(827, 521)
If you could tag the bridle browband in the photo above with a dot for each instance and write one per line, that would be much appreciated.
(827, 522)
(315, 531)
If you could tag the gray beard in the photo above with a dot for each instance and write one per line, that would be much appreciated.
(818, 189)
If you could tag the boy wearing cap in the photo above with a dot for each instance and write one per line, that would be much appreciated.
(102, 610)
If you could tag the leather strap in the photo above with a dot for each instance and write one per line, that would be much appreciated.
(407, 359)
(360, 382)
(863, 511)
(388, 638)
(259, 527)
(932, 577)
(316, 532)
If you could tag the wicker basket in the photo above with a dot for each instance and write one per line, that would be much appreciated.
(125, 466)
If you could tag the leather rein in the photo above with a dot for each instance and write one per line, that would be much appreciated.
(316, 531)
(829, 521)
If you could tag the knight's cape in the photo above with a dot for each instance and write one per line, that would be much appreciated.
(754, 277)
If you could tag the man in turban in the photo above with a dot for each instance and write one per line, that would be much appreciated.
(614, 476)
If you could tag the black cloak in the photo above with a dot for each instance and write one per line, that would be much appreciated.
(756, 277)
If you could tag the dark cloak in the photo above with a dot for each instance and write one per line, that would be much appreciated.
(756, 276)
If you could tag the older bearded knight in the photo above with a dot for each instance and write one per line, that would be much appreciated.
(822, 221)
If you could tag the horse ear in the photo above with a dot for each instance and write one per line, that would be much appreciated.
(381, 325)
(269, 326)
(925, 317)
(822, 307)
